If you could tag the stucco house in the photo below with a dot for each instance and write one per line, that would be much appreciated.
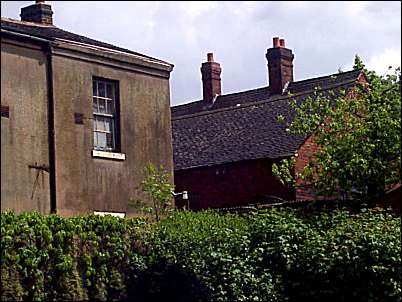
(79, 118)
(225, 144)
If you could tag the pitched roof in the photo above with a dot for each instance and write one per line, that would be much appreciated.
(243, 126)
(50, 32)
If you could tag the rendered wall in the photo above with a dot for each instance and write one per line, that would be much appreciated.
(24, 134)
(86, 184)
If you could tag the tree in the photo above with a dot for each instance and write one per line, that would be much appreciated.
(157, 186)
(358, 137)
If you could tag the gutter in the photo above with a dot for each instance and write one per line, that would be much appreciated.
(17, 34)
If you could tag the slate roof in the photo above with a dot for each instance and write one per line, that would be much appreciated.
(51, 32)
(243, 126)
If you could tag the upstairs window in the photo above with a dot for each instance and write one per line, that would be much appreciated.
(105, 113)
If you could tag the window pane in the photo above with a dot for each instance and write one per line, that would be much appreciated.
(95, 105)
(101, 89)
(94, 91)
(109, 91)
(100, 124)
(102, 108)
(109, 140)
(101, 139)
(95, 139)
(108, 124)
(109, 107)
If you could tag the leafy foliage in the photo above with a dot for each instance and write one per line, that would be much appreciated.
(215, 249)
(159, 189)
(52, 258)
(270, 255)
(358, 137)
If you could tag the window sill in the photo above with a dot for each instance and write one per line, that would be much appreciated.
(108, 155)
(115, 214)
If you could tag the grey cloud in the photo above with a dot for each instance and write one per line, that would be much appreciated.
(323, 35)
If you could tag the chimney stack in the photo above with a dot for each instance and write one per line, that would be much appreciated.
(37, 13)
(211, 78)
(280, 65)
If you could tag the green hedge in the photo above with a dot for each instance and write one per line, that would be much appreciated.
(272, 255)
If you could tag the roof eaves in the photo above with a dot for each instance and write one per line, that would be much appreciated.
(112, 48)
(32, 37)
(140, 57)
(279, 156)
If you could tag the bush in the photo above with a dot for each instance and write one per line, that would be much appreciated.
(331, 256)
(270, 255)
(214, 249)
(80, 258)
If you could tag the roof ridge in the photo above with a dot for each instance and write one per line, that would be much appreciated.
(279, 98)
(326, 76)
(224, 95)
(267, 87)
(244, 91)
(186, 104)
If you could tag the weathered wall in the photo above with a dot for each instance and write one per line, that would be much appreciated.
(24, 134)
(84, 183)
(230, 184)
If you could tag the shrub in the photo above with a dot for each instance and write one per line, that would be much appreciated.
(270, 255)
(54, 258)
(214, 249)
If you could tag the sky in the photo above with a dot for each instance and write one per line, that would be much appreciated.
(324, 36)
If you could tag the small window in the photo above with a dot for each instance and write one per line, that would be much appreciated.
(105, 112)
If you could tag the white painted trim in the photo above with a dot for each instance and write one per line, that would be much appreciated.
(111, 155)
(115, 214)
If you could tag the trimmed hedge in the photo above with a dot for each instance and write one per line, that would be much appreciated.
(271, 255)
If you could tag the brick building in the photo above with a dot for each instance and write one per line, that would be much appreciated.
(225, 144)
(79, 118)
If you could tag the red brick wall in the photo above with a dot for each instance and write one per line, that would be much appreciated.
(229, 185)
(305, 153)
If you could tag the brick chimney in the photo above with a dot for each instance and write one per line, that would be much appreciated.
(280, 65)
(211, 78)
(38, 13)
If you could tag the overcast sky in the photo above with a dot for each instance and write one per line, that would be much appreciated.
(324, 36)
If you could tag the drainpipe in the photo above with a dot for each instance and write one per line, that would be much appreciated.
(52, 153)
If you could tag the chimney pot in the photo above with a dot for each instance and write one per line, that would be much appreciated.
(275, 42)
(210, 57)
(282, 42)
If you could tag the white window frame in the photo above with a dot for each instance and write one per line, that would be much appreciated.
(110, 101)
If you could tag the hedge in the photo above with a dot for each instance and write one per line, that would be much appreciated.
(270, 255)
